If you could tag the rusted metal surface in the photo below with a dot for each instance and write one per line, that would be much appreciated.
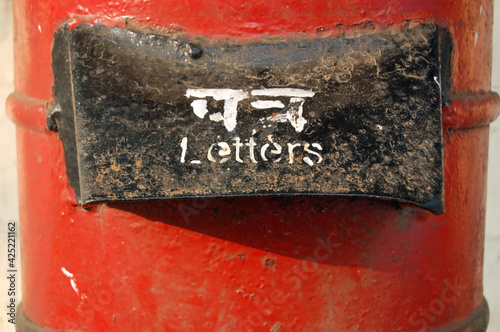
(147, 116)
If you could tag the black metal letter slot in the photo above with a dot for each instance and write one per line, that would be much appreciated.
(147, 116)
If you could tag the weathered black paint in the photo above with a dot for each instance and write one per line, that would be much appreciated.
(376, 113)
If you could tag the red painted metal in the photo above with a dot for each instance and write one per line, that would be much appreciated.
(252, 264)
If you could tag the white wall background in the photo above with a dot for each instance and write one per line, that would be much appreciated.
(8, 177)
(491, 277)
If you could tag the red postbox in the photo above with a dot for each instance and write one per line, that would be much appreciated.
(130, 256)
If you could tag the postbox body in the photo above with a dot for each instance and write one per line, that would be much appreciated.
(260, 263)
